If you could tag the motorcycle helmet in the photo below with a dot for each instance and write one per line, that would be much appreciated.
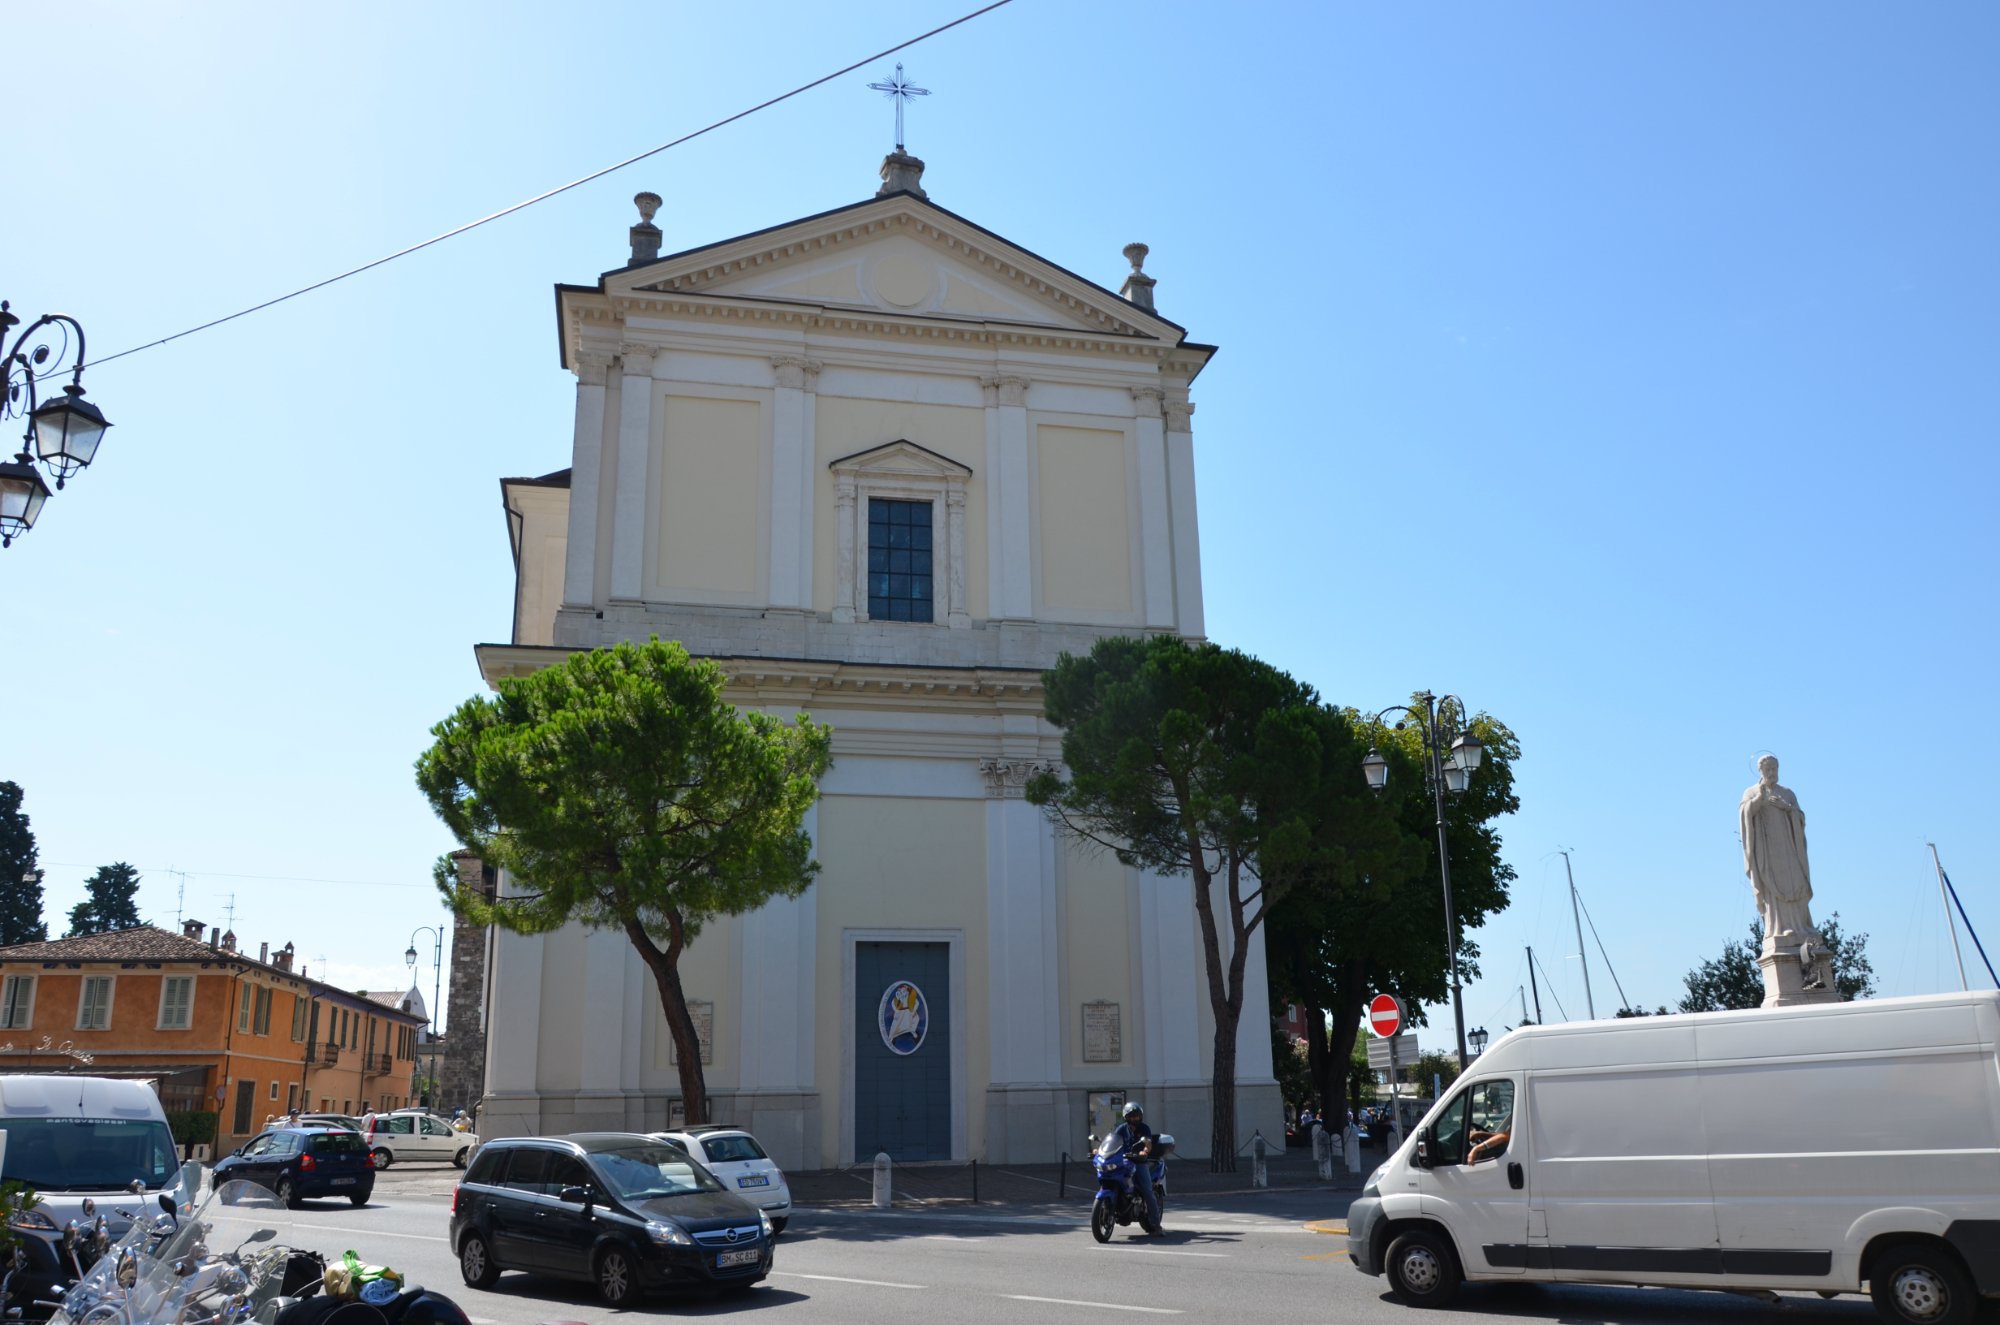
(1132, 1109)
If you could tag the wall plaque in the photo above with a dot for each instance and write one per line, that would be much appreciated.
(1103, 1039)
(702, 1013)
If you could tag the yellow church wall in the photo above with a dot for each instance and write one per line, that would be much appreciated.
(1097, 959)
(560, 1066)
(843, 427)
(902, 863)
(1085, 534)
(707, 502)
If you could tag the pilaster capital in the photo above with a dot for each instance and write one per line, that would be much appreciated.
(592, 366)
(1007, 779)
(844, 489)
(1180, 414)
(637, 359)
(954, 494)
(1148, 399)
(1005, 389)
(795, 373)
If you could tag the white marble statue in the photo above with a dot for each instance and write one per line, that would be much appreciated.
(1774, 856)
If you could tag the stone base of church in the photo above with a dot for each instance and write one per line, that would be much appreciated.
(786, 1123)
(1785, 981)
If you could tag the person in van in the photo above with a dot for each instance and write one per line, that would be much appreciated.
(1490, 1143)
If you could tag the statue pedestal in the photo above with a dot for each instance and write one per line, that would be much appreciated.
(1784, 981)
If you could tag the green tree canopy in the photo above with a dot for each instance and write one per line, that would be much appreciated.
(1366, 915)
(110, 901)
(20, 877)
(1194, 760)
(622, 791)
(1733, 979)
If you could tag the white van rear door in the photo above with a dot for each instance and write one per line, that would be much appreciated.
(1476, 1184)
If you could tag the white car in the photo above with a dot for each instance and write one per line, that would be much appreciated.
(740, 1164)
(415, 1134)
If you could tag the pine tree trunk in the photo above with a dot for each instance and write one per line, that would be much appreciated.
(665, 966)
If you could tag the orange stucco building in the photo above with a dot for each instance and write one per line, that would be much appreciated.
(212, 1028)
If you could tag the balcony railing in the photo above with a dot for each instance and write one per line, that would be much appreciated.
(323, 1055)
(377, 1065)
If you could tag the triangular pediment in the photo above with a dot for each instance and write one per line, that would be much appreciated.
(896, 257)
(902, 459)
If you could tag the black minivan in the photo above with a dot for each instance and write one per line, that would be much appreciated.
(622, 1211)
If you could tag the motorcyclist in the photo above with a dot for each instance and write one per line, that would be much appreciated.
(1135, 1142)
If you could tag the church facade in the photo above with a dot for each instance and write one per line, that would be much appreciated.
(883, 466)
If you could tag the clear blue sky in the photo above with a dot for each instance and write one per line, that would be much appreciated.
(1629, 369)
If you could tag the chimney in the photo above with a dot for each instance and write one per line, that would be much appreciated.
(645, 235)
(191, 929)
(215, 936)
(902, 173)
(1138, 287)
(264, 953)
(229, 941)
(284, 958)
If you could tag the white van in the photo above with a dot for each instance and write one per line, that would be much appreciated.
(1818, 1148)
(69, 1137)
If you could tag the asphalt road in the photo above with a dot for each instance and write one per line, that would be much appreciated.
(1230, 1259)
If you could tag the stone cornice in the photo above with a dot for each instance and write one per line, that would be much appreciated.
(768, 680)
(614, 311)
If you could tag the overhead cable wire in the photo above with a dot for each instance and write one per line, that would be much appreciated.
(563, 188)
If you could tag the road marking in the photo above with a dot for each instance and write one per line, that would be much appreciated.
(1102, 1306)
(382, 1233)
(1336, 1227)
(836, 1279)
(1163, 1251)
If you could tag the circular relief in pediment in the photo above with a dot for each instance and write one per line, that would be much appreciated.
(902, 280)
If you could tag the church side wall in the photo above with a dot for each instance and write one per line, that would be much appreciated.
(1083, 522)
(708, 511)
(544, 534)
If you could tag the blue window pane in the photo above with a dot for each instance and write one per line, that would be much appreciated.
(878, 559)
(878, 586)
(920, 587)
(920, 536)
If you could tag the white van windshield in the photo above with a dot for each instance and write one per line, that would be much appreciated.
(88, 1154)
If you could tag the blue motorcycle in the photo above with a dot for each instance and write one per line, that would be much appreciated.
(1120, 1198)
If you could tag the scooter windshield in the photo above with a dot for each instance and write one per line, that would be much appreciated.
(114, 1275)
(228, 1259)
(1111, 1148)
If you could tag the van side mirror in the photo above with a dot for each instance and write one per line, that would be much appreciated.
(575, 1196)
(1423, 1151)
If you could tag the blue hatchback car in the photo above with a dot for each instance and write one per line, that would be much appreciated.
(301, 1163)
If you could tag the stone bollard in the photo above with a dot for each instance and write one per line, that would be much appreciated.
(1258, 1176)
(1350, 1144)
(1323, 1152)
(882, 1180)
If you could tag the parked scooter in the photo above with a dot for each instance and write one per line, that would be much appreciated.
(1120, 1198)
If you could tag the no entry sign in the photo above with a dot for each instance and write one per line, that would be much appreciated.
(1385, 1015)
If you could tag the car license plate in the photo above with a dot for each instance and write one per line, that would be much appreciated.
(729, 1258)
(343, 1182)
(755, 1180)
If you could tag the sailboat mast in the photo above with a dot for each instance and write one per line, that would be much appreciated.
(1532, 984)
(1944, 896)
(1589, 1005)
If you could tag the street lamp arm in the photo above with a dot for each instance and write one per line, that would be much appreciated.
(26, 367)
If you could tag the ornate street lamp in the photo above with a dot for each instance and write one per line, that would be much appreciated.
(1451, 754)
(437, 987)
(63, 433)
(1478, 1038)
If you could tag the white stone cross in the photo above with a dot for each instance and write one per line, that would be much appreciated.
(902, 90)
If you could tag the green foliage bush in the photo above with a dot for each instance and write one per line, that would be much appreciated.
(193, 1127)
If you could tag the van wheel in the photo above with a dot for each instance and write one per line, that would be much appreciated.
(1421, 1269)
(1918, 1284)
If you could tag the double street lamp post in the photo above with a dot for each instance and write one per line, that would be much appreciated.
(62, 434)
(437, 987)
(1451, 754)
